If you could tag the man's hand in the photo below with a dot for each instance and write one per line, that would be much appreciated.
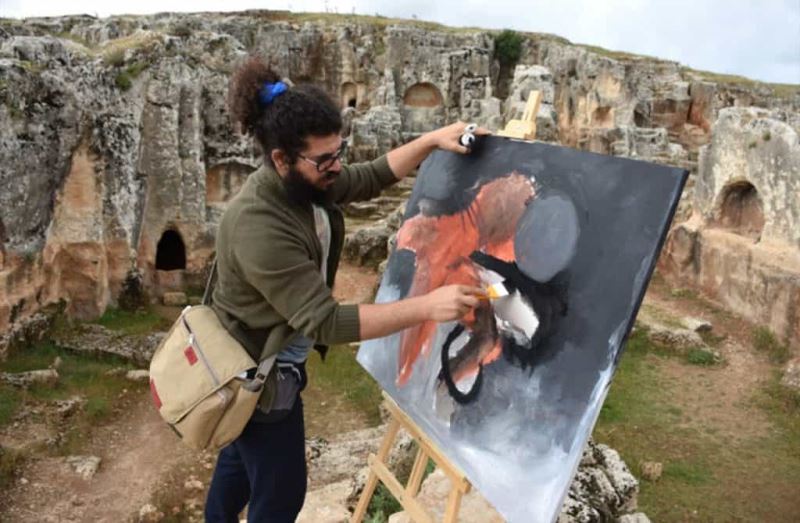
(446, 303)
(407, 157)
(451, 302)
(447, 137)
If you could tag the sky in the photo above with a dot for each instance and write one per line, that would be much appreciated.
(756, 39)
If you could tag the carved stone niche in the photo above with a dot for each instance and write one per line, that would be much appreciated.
(423, 108)
(739, 210)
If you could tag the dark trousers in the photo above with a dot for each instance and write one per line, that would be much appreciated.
(265, 467)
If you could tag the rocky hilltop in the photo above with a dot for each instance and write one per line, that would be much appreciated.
(117, 157)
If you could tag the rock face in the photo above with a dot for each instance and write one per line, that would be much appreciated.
(117, 157)
(741, 245)
(603, 488)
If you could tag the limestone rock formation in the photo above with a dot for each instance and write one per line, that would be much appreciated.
(603, 489)
(117, 156)
(741, 245)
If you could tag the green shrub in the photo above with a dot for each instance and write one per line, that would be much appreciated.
(123, 81)
(508, 47)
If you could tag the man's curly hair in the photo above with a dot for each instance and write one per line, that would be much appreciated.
(286, 122)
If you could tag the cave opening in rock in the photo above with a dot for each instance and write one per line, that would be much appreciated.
(349, 92)
(740, 210)
(171, 252)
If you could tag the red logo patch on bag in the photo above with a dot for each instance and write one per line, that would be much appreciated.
(154, 392)
(190, 354)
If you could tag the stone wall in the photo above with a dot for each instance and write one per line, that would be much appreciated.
(114, 132)
(741, 246)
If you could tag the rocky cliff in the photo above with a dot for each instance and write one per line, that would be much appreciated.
(117, 157)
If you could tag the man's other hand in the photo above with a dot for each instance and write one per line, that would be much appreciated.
(451, 302)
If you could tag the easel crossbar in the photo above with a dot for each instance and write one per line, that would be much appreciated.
(407, 496)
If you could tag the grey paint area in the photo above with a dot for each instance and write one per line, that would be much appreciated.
(546, 237)
(520, 441)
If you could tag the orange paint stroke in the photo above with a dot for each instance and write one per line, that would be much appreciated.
(443, 244)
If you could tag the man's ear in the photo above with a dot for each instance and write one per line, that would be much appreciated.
(279, 160)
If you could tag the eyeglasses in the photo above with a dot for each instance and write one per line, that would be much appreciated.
(326, 161)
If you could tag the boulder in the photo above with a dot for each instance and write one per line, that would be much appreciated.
(791, 375)
(141, 375)
(26, 379)
(327, 504)
(174, 299)
(651, 470)
(97, 339)
(368, 246)
(84, 466)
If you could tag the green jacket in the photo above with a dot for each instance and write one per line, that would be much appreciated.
(269, 285)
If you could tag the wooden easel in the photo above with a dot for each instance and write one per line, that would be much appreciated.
(378, 470)
(524, 129)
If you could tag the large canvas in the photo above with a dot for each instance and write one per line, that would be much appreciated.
(564, 242)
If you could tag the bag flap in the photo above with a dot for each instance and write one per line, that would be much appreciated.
(196, 358)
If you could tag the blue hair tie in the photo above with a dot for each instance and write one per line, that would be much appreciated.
(270, 91)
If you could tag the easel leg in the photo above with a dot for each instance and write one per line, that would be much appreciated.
(417, 471)
(372, 479)
(378, 471)
(453, 504)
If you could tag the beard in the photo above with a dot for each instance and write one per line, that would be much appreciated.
(302, 191)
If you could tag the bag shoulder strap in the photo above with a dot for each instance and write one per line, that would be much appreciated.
(248, 337)
(212, 280)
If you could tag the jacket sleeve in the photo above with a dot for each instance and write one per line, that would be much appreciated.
(277, 264)
(362, 181)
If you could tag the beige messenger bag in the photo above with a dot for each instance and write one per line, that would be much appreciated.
(199, 378)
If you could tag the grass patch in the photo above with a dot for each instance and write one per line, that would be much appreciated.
(710, 474)
(700, 357)
(381, 505)
(689, 473)
(10, 460)
(66, 35)
(783, 406)
(765, 341)
(617, 55)
(780, 90)
(341, 374)
(683, 294)
(125, 78)
(10, 402)
(113, 52)
(133, 323)
(32, 67)
(79, 375)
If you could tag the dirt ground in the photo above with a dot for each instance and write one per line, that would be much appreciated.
(142, 459)
(140, 455)
(717, 397)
